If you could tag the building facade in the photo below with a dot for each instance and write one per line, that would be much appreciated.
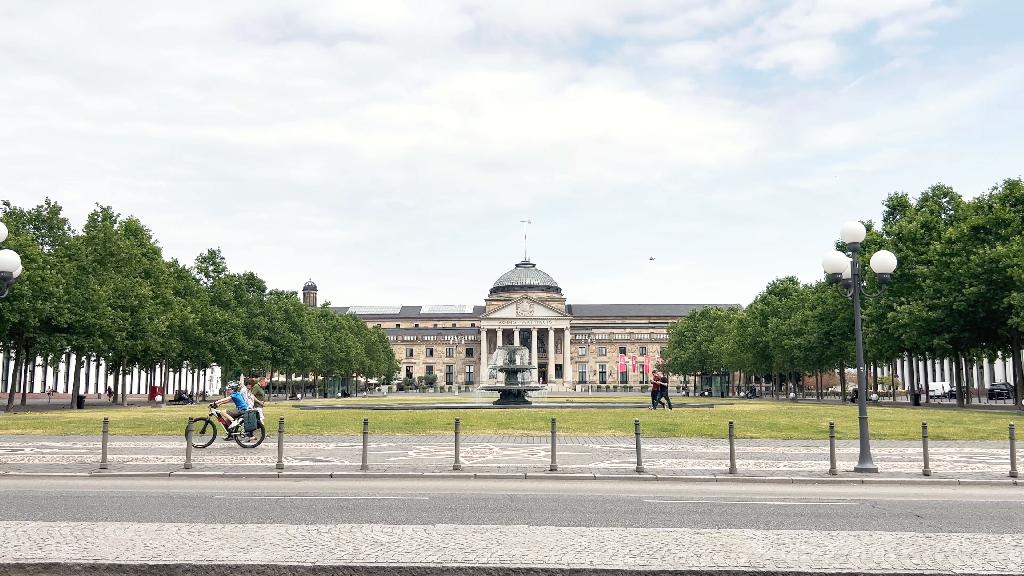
(571, 345)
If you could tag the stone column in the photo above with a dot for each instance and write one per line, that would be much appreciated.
(482, 377)
(551, 354)
(515, 336)
(533, 354)
(497, 340)
(566, 358)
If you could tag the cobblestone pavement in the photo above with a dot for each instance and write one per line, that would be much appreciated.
(500, 454)
(513, 546)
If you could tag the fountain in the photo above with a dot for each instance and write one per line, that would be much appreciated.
(514, 363)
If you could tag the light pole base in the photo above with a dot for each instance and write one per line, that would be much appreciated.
(866, 468)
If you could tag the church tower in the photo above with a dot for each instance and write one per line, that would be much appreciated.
(309, 294)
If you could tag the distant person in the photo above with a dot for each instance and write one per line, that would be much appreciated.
(655, 391)
(662, 389)
(110, 394)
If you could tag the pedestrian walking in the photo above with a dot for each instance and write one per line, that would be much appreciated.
(662, 389)
(655, 391)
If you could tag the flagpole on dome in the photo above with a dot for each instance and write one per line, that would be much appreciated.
(525, 223)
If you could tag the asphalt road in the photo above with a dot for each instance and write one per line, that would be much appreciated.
(517, 502)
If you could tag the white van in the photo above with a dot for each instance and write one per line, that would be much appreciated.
(938, 389)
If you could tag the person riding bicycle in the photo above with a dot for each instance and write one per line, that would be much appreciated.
(241, 405)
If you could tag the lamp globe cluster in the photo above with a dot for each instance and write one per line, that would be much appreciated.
(10, 264)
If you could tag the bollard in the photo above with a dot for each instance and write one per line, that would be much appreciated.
(636, 432)
(103, 443)
(366, 442)
(458, 433)
(1013, 450)
(188, 444)
(732, 448)
(832, 471)
(554, 445)
(927, 471)
(280, 444)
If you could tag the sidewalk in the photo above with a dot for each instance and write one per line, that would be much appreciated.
(577, 457)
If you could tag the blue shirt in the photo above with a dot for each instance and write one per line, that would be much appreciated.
(239, 400)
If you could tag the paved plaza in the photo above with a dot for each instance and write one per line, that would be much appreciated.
(596, 456)
(512, 547)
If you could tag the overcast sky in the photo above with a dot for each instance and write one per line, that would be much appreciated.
(388, 149)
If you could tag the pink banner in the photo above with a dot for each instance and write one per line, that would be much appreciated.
(622, 362)
(634, 363)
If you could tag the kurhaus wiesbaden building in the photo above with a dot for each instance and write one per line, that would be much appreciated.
(570, 344)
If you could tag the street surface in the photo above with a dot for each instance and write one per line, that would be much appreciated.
(521, 527)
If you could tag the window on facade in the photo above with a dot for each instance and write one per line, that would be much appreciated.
(453, 324)
(378, 325)
(643, 350)
(429, 353)
(469, 374)
(469, 352)
(581, 350)
(643, 378)
(408, 371)
(430, 368)
(408, 352)
(624, 377)
(449, 352)
(472, 324)
(415, 325)
(602, 373)
(581, 373)
(449, 374)
(622, 349)
(602, 351)
(558, 370)
(398, 325)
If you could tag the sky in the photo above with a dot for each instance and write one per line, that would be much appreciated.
(388, 150)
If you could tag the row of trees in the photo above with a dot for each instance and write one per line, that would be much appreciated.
(107, 292)
(958, 294)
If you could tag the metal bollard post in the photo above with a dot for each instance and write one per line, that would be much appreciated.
(103, 443)
(832, 471)
(732, 448)
(280, 444)
(554, 445)
(927, 470)
(636, 432)
(188, 444)
(366, 443)
(458, 433)
(1013, 450)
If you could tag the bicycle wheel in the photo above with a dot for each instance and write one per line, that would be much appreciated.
(204, 432)
(251, 439)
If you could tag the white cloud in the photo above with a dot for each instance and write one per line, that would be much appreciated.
(388, 150)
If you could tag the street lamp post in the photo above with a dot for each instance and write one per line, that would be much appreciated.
(10, 265)
(846, 271)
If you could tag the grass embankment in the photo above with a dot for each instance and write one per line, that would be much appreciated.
(753, 420)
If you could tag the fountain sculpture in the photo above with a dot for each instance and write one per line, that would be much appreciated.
(514, 363)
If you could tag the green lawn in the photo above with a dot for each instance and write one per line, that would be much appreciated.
(753, 420)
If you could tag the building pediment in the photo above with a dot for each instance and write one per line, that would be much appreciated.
(524, 307)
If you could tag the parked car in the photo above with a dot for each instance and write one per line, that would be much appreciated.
(1000, 391)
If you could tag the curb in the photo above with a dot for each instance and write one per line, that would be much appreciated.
(560, 476)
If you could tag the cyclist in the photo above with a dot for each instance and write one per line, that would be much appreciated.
(241, 405)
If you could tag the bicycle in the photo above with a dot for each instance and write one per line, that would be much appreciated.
(204, 430)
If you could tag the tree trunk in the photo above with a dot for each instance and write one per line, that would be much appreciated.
(1018, 369)
(874, 377)
(958, 378)
(19, 359)
(29, 379)
(166, 370)
(968, 380)
(927, 381)
(78, 380)
(6, 364)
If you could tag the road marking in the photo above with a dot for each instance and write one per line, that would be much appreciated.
(766, 502)
(323, 497)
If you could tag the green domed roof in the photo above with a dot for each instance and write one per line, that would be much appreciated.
(525, 277)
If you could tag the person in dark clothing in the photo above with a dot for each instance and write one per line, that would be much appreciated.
(655, 393)
(662, 389)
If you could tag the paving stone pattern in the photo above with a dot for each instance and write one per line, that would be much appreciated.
(512, 454)
(512, 546)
